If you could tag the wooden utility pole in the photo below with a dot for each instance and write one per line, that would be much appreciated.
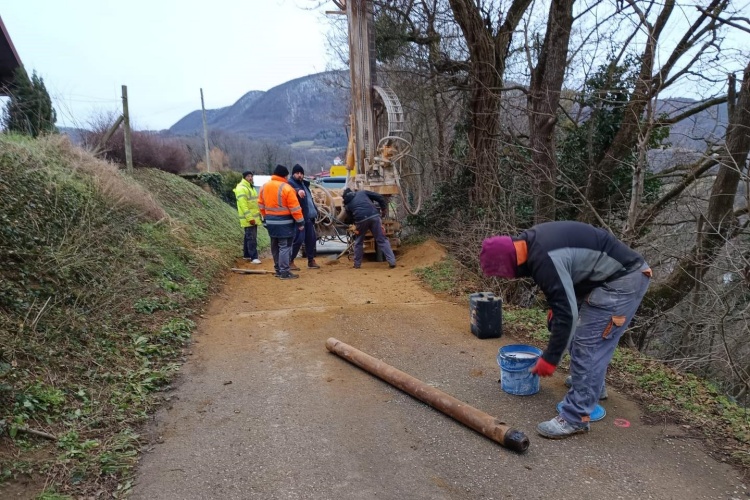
(205, 134)
(126, 125)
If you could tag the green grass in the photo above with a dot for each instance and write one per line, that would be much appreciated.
(99, 276)
(440, 277)
(687, 399)
(532, 322)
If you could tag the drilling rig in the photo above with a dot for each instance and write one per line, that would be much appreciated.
(379, 153)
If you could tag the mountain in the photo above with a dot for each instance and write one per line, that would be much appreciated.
(193, 122)
(314, 108)
(305, 109)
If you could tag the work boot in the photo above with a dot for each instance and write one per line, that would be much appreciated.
(311, 264)
(602, 395)
(289, 276)
(559, 428)
(293, 267)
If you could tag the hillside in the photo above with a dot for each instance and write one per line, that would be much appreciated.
(192, 123)
(306, 108)
(315, 107)
(100, 275)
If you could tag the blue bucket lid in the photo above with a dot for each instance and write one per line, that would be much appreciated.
(596, 415)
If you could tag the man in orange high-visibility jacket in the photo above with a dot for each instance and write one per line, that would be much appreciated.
(282, 217)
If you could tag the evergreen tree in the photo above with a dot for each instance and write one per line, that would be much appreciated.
(29, 110)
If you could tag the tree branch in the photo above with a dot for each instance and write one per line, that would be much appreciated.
(692, 111)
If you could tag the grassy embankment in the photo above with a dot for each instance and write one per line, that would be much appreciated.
(665, 394)
(99, 276)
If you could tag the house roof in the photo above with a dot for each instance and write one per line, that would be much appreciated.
(9, 59)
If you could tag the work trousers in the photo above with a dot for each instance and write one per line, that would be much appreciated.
(281, 249)
(375, 226)
(602, 319)
(250, 246)
(309, 238)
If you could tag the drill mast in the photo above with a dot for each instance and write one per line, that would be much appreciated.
(377, 142)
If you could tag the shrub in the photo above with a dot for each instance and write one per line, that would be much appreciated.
(29, 110)
(149, 150)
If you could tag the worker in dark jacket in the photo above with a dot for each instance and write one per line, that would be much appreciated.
(310, 213)
(594, 284)
(360, 207)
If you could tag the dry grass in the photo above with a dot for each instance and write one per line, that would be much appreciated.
(108, 178)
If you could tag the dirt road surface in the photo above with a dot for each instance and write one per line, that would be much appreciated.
(262, 409)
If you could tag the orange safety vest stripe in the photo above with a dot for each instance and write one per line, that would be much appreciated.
(278, 198)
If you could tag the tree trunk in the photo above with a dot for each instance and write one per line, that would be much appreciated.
(488, 52)
(544, 97)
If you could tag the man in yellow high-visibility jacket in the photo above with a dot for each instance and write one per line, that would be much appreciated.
(247, 208)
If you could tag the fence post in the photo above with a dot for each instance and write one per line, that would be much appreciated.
(205, 135)
(126, 125)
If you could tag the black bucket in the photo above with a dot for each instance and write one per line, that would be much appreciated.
(486, 315)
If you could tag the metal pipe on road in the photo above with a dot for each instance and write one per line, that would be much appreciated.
(471, 417)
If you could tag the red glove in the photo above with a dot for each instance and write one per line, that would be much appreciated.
(543, 368)
(252, 222)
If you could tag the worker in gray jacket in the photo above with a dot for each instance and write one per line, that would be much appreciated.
(594, 284)
(360, 207)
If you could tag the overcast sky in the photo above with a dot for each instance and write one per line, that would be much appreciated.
(164, 51)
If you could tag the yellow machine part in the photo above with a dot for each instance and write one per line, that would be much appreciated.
(338, 170)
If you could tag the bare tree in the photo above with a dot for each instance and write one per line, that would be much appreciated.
(719, 222)
(698, 40)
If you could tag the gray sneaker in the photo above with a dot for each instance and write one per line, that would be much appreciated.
(288, 276)
(559, 428)
(602, 395)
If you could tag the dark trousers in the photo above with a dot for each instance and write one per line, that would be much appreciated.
(250, 246)
(281, 249)
(375, 226)
(309, 238)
